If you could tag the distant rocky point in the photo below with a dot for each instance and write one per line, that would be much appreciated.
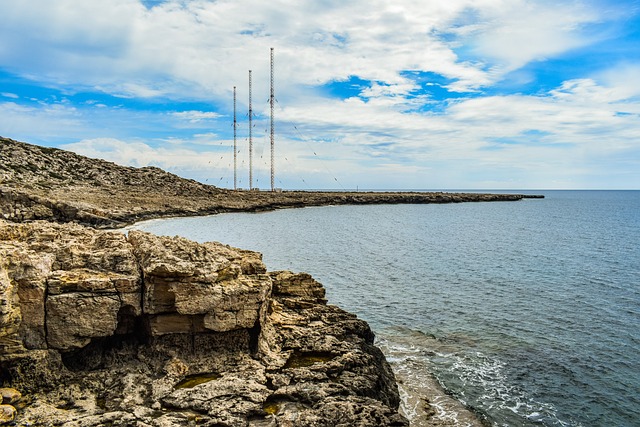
(57, 185)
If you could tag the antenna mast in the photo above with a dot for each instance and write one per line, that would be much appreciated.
(235, 144)
(250, 138)
(272, 145)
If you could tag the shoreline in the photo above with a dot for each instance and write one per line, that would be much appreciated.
(62, 187)
(424, 401)
(120, 207)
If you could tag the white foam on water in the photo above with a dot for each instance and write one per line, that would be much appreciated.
(423, 400)
(424, 366)
(493, 392)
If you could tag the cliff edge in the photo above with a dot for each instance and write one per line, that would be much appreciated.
(102, 328)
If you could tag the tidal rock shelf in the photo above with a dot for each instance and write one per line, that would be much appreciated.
(102, 328)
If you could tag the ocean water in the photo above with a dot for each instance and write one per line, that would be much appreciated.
(528, 312)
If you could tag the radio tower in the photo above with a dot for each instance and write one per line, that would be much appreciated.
(235, 145)
(272, 145)
(250, 138)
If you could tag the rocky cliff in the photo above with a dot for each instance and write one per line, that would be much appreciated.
(103, 328)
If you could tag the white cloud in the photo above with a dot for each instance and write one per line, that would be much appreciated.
(521, 140)
(624, 79)
(138, 154)
(207, 47)
(195, 116)
(35, 123)
(516, 32)
(198, 50)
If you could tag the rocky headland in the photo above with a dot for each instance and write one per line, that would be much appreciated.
(56, 185)
(102, 328)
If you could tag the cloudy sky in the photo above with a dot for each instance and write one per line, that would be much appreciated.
(375, 94)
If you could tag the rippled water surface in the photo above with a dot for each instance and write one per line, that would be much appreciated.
(528, 311)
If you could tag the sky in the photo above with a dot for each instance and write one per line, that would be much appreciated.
(375, 94)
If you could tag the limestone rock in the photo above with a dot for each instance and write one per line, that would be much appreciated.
(9, 395)
(286, 283)
(206, 282)
(10, 313)
(72, 279)
(101, 328)
(74, 319)
(7, 414)
(322, 363)
(174, 323)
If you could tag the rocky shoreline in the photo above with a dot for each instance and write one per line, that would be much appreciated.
(102, 328)
(99, 328)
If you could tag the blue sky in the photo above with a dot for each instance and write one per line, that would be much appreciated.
(463, 94)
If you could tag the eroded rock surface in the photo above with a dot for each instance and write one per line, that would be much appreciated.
(101, 328)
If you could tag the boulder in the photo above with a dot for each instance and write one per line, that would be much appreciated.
(9, 395)
(74, 319)
(203, 280)
(7, 414)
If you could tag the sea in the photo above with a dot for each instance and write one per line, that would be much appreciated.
(527, 312)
